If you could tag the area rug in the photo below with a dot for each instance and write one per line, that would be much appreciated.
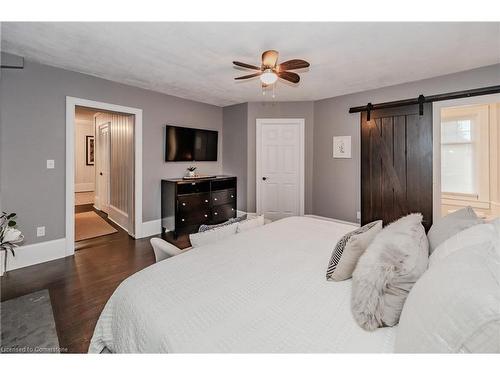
(27, 325)
(90, 225)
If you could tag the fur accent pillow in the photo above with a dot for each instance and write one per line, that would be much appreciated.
(349, 249)
(387, 271)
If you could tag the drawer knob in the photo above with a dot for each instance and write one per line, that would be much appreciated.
(182, 220)
(206, 200)
(232, 209)
(215, 199)
(232, 196)
(184, 204)
(193, 183)
(215, 213)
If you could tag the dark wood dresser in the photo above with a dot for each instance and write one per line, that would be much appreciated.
(186, 204)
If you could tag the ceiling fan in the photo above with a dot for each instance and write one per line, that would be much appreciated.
(270, 70)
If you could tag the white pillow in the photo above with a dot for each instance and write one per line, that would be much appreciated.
(455, 306)
(250, 223)
(449, 225)
(212, 235)
(476, 235)
(387, 271)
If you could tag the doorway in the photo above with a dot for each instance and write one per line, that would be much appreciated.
(106, 163)
(280, 167)
(467, 137)
(114, 151)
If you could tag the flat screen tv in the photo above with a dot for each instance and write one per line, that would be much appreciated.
(187, 144)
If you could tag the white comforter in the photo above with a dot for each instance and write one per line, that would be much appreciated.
(263, 290)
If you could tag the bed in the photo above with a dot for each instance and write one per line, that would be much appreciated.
(260, 291)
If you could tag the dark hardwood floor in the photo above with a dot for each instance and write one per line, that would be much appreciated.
(80, 285)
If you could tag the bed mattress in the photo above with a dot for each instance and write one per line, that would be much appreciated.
(260, 291)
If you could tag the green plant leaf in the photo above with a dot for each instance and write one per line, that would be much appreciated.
(12, 223)
(10, 216)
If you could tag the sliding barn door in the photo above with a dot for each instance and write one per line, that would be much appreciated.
(396, 164)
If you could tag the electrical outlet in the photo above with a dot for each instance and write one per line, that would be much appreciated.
(40, 231)
(358, 215)
(50, 164)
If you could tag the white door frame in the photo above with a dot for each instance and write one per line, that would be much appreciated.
(436, 141)
(260, 122)
(71, 104)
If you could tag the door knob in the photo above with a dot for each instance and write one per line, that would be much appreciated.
(264, 178)
(100, 173)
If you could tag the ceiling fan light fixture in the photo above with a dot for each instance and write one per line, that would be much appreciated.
(268, 77)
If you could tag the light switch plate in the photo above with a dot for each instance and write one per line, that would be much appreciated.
(40, 231)
(50, 164)
(358, 215)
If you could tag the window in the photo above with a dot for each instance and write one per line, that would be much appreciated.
(458, 157)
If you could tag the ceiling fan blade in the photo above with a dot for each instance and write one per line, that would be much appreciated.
(293, 64)
(249, 76)
(244, 65)
(269, 58)
(289, 76)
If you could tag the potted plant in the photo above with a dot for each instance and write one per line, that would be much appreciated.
(191, 171)
(9, 238)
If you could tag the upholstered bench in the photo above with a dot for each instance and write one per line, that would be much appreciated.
(164, 249)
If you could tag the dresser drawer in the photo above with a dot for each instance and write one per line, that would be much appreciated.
(223, 213)
(221, 197)
(199, 217)
(193, 187)
(190, 202)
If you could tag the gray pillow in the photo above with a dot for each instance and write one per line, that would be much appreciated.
(349, 249)
(386, 272)
(450, 225)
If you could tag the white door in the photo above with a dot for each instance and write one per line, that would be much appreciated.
(280, 167)
(103, 165)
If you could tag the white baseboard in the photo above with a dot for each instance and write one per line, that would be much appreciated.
(151, 228)
(118, 217)
(331, 219)
(29, 255)
(84, 186)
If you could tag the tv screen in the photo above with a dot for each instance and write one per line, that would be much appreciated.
(187, 144)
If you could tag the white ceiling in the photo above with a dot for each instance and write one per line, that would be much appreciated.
(194, 60)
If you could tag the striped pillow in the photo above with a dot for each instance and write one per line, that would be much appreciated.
(205, 227)
(349, 249)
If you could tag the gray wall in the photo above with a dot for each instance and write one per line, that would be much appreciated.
(32, 130)
(235, 145)
(336, 187)
(32, 118)
(303, 110)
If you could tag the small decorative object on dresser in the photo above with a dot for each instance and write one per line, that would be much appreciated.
(9, 238)
(191, 171)
(185, 205)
